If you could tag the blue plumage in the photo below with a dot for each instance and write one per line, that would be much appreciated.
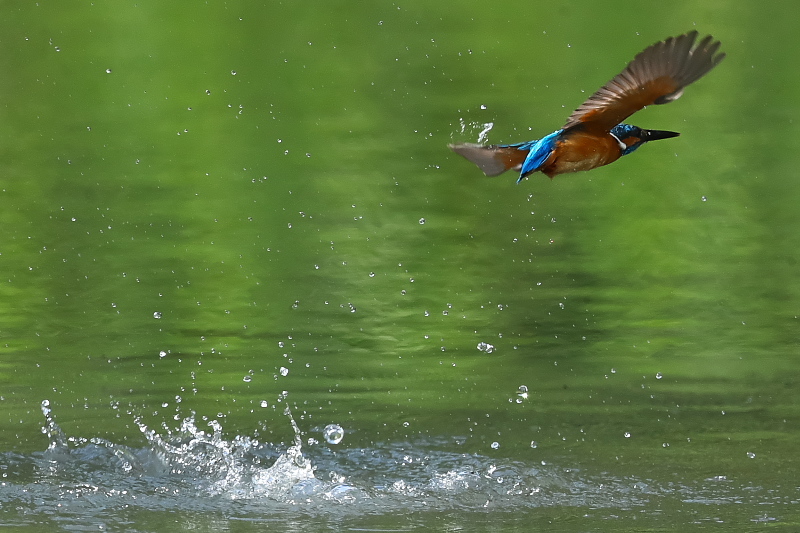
(538, 152)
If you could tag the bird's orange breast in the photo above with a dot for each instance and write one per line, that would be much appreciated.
(582, 151)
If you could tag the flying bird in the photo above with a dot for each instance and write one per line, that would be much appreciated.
(595, 134)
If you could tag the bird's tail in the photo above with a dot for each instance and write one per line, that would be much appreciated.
(492, 160)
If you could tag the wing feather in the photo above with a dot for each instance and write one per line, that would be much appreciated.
(657, 75)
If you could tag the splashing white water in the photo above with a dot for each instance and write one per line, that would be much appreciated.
(485, 128)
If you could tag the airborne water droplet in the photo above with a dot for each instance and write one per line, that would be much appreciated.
(485, 347)
(333, 433)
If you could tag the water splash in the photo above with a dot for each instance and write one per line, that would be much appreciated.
(231, 468)
(484, 127)
(198, 469)
(54, 433)
(484, 134)
(485, 347)
(291, 476)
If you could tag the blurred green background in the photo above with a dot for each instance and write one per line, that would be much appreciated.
(205, 204)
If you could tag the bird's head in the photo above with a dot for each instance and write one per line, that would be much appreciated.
(632, 137)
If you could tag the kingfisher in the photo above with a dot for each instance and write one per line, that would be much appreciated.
(595, 134)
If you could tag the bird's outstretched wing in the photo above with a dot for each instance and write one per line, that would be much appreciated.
(657, 75)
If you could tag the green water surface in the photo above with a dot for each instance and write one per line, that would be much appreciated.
(204, 204)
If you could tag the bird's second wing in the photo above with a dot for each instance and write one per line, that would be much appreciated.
(657, 75)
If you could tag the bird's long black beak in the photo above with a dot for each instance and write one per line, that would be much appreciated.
(655, 135)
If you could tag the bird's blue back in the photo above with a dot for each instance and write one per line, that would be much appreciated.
(538, 152)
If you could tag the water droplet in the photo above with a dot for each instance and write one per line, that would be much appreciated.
(485, 347)
(264, 403)
(108, 71)
(627, 434)
(284, 371)
(233, 73)
(333, 433)
(247, 379)
(157, 315)
(751, 455)
(162, 354)
(422, 221)
(534, 444)
(495, 445)
(703, 198)
(659, 375)
(522, 392)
